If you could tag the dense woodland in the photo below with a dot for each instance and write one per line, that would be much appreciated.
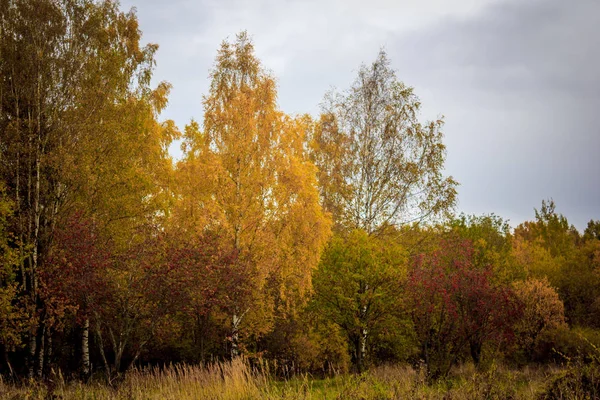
(315, 243)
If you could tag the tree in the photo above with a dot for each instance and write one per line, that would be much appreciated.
(358, 286)
(592, 231)
(143, 292)
(535, 260)
(378, 165)
(492, 244)
(454, 305)
(75, 279)
(542, 311)
(209, 276)
(253, 183)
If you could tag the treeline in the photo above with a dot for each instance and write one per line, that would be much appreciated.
(321, 244)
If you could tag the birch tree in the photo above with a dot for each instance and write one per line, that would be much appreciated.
(378, 164)
(259, 186)
(379, 167)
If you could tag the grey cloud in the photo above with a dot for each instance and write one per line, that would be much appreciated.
(520, 88)
(531, 45)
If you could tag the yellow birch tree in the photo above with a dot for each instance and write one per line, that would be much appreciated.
(247, 176)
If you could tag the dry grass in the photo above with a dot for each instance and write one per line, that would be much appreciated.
(228, 380)
(236, 380)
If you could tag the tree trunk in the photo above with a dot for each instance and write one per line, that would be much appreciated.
(41, 352)
(102, 353)
(475, 352)
(235, 324)
(11, 372)
(236, 319)
(362, 356)
(118, 347)
(49, 348)
(201, 322)
(34, 238)
(32, 350)
(364, 332)
(137, 353)
(425, 351)
(85, 349)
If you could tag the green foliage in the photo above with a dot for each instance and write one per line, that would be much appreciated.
(492, 243)
(358, 286)
(12, 315)
(581, 378)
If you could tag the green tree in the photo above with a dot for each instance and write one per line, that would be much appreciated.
(358, 286)
(492, 244)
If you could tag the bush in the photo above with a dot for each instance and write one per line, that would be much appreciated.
(581, 380)
(564, 345)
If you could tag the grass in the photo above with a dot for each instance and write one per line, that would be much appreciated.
(236, 380)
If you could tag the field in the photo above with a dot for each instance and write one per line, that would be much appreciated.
(236, 380)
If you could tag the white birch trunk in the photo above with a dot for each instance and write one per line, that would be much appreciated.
(85, 348)
(235, 324)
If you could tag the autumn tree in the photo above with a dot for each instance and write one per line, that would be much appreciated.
(30, 35)
(552, 228)
(542, 311)
(378, 165)
(256, 186)
(141, 294)
(492, 244)
(592, 230)
(551, 247)
(74, 280)
(208, 274)
(455, 306)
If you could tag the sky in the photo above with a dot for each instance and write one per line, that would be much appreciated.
(517, 81)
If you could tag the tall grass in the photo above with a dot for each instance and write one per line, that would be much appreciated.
(238, 380)
(225, 380)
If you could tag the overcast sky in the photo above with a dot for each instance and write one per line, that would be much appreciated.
(518, 81)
